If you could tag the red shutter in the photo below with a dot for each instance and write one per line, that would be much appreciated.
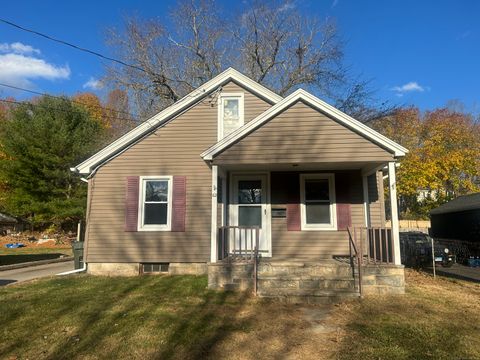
(131, 203)
(294, 219)
(344, 212)
(179, 203)
(344, 216)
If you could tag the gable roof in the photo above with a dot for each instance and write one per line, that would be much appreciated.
(96, 160)
(7, 219)
(462, 203)
(313, 101)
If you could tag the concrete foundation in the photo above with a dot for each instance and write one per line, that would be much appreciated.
(385, 279)
(187, 269)
(133, 269)
(113, 269)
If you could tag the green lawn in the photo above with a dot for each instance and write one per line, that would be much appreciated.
(26, 254)
(163, 317)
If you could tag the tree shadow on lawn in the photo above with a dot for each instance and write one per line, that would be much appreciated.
(144, 317)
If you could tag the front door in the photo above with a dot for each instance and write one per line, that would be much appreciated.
(250, 207)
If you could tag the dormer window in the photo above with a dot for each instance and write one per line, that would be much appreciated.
(230, 113)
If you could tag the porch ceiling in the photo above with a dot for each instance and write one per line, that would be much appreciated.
(364, 166)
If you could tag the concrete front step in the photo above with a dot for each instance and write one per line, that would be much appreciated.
(302, 292)
(320, 298)
(305, 283)
(324, 269)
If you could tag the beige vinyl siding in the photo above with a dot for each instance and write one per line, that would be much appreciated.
(376, 200)
(302, 134)
(313, 245)
(172, 150)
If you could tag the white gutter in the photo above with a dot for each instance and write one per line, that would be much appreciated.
(74, 271)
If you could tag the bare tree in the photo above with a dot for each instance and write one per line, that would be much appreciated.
(271, 42)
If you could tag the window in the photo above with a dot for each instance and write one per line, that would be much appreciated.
(230, 113)
(318, 207)
(156, 203)
(152, 268)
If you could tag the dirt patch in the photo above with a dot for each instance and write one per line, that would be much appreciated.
(31, 240)
(283, 332)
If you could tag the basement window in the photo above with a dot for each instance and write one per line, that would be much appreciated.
(154, 268)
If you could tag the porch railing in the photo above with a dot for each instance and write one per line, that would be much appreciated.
(379, 247)
(375, 244)
(238, 242)
(369, 246)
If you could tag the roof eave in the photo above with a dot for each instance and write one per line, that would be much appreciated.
(96, 160)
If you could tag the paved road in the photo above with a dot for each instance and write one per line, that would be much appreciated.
(461, 272)
(33, 272)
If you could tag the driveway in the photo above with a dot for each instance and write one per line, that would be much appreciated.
(33, 272)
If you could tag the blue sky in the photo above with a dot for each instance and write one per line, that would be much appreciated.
(421, 53)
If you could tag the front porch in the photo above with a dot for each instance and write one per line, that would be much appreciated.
(261, 243)
(300, 212)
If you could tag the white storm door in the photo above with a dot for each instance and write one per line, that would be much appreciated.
(250, 208)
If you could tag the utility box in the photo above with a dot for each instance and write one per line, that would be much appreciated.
(77, 248)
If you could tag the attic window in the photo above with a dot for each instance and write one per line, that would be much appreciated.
(230, 113)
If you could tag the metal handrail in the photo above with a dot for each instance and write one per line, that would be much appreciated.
(356, 255)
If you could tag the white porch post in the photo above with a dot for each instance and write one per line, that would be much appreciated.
(394, 211)
(366, 208)
(213, 235)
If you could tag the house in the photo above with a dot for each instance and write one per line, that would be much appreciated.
(457, 225)
(9, 223)
(233, 172)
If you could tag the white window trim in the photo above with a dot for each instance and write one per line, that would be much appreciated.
(141, 226)
(333, 206)
(240, 96)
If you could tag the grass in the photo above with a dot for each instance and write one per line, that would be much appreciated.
(150, 317)
(434, 320)
(26, 254)
(163, 317)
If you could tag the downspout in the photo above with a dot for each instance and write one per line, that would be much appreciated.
(84, 268)
(74, 271)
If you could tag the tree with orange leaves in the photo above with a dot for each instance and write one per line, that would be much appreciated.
(92, 104)
(444, 157)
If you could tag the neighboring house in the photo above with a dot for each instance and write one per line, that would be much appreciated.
(191, 185)
(458, 221)
(9, 223)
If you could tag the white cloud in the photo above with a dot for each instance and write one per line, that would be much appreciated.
(411, 86)
(93, 84)
(18, 69)
(18, 48)
(286, 7)
(334, 3)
